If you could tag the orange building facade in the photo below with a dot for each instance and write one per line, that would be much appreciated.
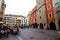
(50, 14)
(34, 17)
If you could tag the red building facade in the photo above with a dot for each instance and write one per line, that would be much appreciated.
(34, 17)
(50, 14)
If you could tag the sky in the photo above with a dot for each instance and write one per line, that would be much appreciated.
(19, 7)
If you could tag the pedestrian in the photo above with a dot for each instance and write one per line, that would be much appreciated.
(17, 28)
(2, 31)
(7, 30)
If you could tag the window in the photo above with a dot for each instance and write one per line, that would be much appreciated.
(22, 21)
(35, 19)
(47, 0)
(58, 6)
(44, 24)
(4, 18)
(39, 10)
(39, 2)
(58, 13)
(49, 7)
(32, 20)
(0, 18)
(40, 17)
(22, 24)
(5, 22)
(50, 15)
(16, 18)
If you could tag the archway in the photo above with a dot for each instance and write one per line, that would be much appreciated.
(59, 24)
(33, 26)
(36, 25)
(52, 26)
(41, 26)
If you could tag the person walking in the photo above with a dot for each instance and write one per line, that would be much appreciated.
(7, 30)
(2, 31)
(17, 29)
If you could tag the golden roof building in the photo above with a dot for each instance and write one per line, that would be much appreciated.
(29, 18)
(14, 19)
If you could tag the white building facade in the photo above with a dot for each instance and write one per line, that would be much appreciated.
(41, 12)
(57, 13)
(12, 19)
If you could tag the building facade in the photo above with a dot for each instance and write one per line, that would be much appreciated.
(57, 13)
(26, 21)
(29, 18)
(34, 17)
(50, 14)
(14, 19)
(41, 12)
(23, 21)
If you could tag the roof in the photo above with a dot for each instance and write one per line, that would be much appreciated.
(14, 15)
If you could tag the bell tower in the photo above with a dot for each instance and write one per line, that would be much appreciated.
(3, 6)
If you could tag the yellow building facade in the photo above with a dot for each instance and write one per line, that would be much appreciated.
(29, 17)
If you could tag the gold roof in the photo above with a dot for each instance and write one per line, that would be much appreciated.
(18, 18)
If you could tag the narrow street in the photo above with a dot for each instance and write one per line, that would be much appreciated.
(30, 19)
(34, 34)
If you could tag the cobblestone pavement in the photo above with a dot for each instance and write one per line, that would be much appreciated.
(34, 34)
(38, 34)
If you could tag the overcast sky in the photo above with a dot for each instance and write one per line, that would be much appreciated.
(19, 7)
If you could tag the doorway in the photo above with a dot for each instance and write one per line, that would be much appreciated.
(52, 26)
(41, 26)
